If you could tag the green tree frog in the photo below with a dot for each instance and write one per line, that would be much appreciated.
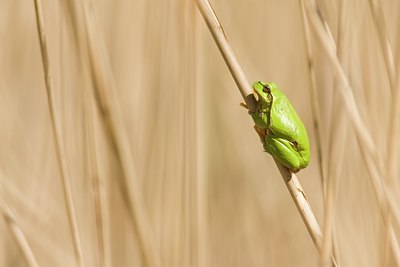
(281, 131)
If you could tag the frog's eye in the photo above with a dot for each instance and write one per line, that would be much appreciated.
(266, 89)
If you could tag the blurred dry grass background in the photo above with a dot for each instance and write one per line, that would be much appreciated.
(204, 192)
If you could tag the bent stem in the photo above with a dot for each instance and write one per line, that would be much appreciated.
(290, 179)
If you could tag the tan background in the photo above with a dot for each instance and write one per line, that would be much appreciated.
(212, 196)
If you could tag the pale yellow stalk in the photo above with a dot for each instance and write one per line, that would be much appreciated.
(57, 134)
(15, 230)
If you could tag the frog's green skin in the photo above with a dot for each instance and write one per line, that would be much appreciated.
(282, 132)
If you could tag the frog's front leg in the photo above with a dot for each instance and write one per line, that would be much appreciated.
(262, 133)
(284, 151)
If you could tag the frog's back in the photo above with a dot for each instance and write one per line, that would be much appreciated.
(286, 123)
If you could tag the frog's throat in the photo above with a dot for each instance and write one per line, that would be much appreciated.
(268, 110)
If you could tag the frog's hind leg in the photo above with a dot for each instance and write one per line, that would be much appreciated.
(283, 151)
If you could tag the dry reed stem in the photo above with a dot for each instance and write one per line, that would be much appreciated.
(90, 48)
(230, 59)
(193, 241)
(315, 109)
(42, 220)
(61, 158)
(96, 181)
(108, 103)
(290, 178)
(332, 178)
(367, 146)
(326, 188)
(392, 148)
(336, 151)
(335, 155)
(300, 199)
(392, 145)
(16, 231)
(319, 26)
(336, 148)
(379, 20)
(202, 185)
(390, 242)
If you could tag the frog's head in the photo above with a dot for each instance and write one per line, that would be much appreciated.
(264, 95)
(263, 92)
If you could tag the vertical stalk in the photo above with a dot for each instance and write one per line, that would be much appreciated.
(57, 134)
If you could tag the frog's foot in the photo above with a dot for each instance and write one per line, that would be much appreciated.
(244, 105)
(262, 133)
